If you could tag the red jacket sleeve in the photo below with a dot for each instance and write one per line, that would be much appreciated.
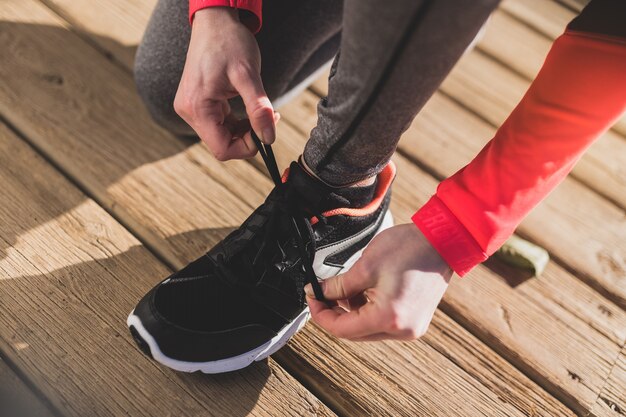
(578, 94)
(252, 18)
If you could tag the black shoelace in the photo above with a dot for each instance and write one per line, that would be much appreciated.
(298, 222)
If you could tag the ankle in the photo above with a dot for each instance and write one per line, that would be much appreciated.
(362, 183)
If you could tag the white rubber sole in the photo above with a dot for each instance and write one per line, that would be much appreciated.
(223, 365)
(245, 359)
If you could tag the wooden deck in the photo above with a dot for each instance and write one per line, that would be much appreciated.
(92, 216)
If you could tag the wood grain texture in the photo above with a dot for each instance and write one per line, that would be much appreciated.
(514, 44)
(612, 400)
(524, 40)
(544, 16)
(144, 196)
(115, 27)
(16, 399)
(574, 5)
(69, 276)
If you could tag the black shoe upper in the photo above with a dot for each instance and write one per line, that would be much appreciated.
(250, 285)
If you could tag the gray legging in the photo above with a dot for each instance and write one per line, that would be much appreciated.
(394, 54)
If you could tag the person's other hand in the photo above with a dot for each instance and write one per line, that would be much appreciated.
(391, 292)
(224, 61)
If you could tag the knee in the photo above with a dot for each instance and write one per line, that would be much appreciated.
(157, 85)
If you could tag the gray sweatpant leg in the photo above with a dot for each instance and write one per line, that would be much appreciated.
(394, 55)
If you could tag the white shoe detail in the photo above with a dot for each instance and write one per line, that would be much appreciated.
(324, 271)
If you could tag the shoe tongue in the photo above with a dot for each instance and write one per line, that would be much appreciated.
(316, 197)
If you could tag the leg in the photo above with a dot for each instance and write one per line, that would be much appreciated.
(392, 60)
(296, 39)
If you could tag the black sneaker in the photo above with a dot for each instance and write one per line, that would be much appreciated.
(244, 299)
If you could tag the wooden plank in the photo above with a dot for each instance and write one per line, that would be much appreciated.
(16, 399)
(56, 133)
(514, 44)
(612, 400)
(511, 39)
(544, 16)
(575, 5)
(70, 274)
(366, 365)
(116, 28)
(543, 326)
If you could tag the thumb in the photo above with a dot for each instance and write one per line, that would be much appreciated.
(258, 105)
(344, 286)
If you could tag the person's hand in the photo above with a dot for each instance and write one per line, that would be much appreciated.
(223, 61)
(391, 292)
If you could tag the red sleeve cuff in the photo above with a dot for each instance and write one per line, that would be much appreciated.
(252, 18)
(448, 236)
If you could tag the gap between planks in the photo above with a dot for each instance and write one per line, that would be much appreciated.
(19, 397)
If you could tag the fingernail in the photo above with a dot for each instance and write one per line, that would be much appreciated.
(269, 135)
(308, 290)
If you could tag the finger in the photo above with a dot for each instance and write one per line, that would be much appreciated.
(361, 322)
(238, 127)
(348, 285)
(241, 131)
(220, 141)
(258, 105)
(217, 131)
(206, 120)
(247, 136)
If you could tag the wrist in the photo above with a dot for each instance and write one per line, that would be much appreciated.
(425, 250)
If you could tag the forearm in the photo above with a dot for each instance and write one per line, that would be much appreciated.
(578, 94)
